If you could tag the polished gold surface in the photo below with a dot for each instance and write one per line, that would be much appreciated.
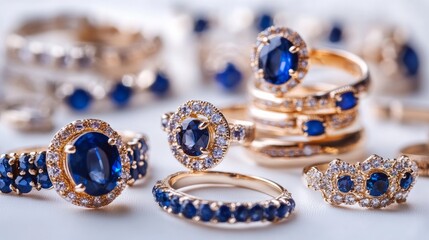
(419, 153)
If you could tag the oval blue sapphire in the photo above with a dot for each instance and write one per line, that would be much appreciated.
(24, 164)
(336, 33)
(410, 60)
(264, 21)
(348, 101)
(4, 166)
(256, 213)
(223, 213)
(206, 213)
(406, 181)
(23, 183)
(188, 209)
(282, 210)
(5, 183)
(377, 184)
(314, 128)
(241, 214)
(96, 164)
(161, 85)
(175, 205)
(40, 161)
(191, 138)
(270, 212)
(201, 24)
(121, 94)
(345, 184)
(229, 77)
(276, 60)
(79, 100)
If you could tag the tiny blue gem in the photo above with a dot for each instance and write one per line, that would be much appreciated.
(270, 212)
(41, 160)
(256, 213)
(188, 209)
(275, 60)
(162, 198)
(292, 204)
(121, 94)
(345, 184)
(5, 183)
(201, 25)
(348, 101)
(377, 184)
(44, 181)
(23, 183)
(223, 213)
(206, 213)
(314, 128)
(264, 21)
(336, 33)
(282, 210)
(410, 59)
(24, 164)
(241, 214)
(4, 166)
(79, 100)
(406, 181)
(175, 205)
(229, 77)
(192, 139)
(161, 85)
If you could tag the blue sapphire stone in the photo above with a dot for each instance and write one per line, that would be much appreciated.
(314, 128)
(410, 59)
(345, 184)
(201, 25)
(191, 138)
(23, 183)
(24, 164)
(44, 181)
(40, 161)
(121, 94)
(79, 100)
(175, 205)
(292, 204)
(377, 184)
(4, 166)
(406, 181)
(241, 214)
(223, 213)
(206, 213)
(276, 60)
(264, 21)
(161, 85)
(336, 33)
(5, 183)
(96, 164)
(270, 212)
(162, 198)
(256, 213)
(188, 209)
(229, 77)
(283, 210)
(348, 101)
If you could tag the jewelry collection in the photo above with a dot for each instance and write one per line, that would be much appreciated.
(284, 120)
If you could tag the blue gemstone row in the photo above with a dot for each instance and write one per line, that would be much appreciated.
(223, 213)
(23, 172)
(120, 94)
(137, 154)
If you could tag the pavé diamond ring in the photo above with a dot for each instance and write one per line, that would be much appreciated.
(375, 183)
(87, 163)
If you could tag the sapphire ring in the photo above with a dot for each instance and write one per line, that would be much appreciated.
(199, 134)
(375, 183)
(87, 163)
(171, 196)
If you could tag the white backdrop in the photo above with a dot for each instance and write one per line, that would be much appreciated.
(134, 215)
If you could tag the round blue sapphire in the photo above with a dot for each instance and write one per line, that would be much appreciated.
(229, 77)
(241, 214)
(292, 204)
(5, 167)
(23, 183)
(96, 164)
(188, 209)
(270, 212)
(345, 184)
(24, 164)
(201, 24)
(276, 60)
(377, 184)
(410, 59)
(142, 168)
(175, 205)
(44, 181)
(256, 213)
(264, 21)
(223, 213)
(79, 100)
(282, 210)
(121, 94)
(40, 161)
(314, 128)
(5, 183)
(161, 85)
(206, 213)
(406, 181)
(348, 101)
(336, 33)
(161, 197)
(192, 139)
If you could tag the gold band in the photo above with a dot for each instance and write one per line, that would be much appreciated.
(169, 194)
(420, 154)
(401, 112)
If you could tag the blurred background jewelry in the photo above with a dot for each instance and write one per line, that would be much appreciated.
(87, 163)
(419, 153)
(170, 197)
(401, 111)
(375, 183)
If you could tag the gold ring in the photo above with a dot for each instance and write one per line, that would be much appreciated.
(420, 154)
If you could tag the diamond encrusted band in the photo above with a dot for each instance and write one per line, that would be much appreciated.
(170, 197)
(375, 183)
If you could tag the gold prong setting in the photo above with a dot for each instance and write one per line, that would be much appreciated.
(210, 119)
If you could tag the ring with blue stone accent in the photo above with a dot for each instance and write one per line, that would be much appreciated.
(420, 154)
(375, 183)
(171, 196)
(199, 134)
(87, 163)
